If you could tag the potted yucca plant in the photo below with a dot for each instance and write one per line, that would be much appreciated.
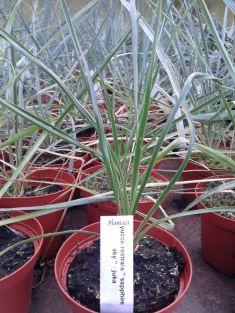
(119, 164)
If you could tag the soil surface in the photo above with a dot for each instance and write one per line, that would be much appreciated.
(220, 199)
(157, 270)
(86, 132)
(213, 164)
(43, 189)
(16, 257)
(48, 158)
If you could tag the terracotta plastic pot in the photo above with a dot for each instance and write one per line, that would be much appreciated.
(95, 210)
(217, 236)
(193, 171)
(16, 288)
(50, 221)
(68, 252)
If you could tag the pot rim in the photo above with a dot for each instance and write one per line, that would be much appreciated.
(70, 179)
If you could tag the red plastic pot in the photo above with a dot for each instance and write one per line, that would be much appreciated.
(68, 252)
(193, 171)
(51, 221)
(95, 210)
(46, 98)
(120, 109)
(16, 288)
(88, 139)
(91, 141)
(217, 235)
(90, 163)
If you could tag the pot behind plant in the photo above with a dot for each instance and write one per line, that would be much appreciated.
(95, 210)
(16, 288)
(68, 252)
(217, 236)
(51, 221)
(182, 194)
(79, 161)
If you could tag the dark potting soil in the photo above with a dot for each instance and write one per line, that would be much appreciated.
(43, 189)
(16, 257)
(86, 132)
(157, 270)
(220, 199)
(46, 158)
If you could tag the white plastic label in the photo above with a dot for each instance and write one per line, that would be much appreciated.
(116, 264)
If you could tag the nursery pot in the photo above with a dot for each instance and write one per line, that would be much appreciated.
(217, 236)
(16, 288)
(95, 210)
(90, 141)
(183, 193)
(69, 249)
(50, 221)
(78, 162)
(46, 99)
